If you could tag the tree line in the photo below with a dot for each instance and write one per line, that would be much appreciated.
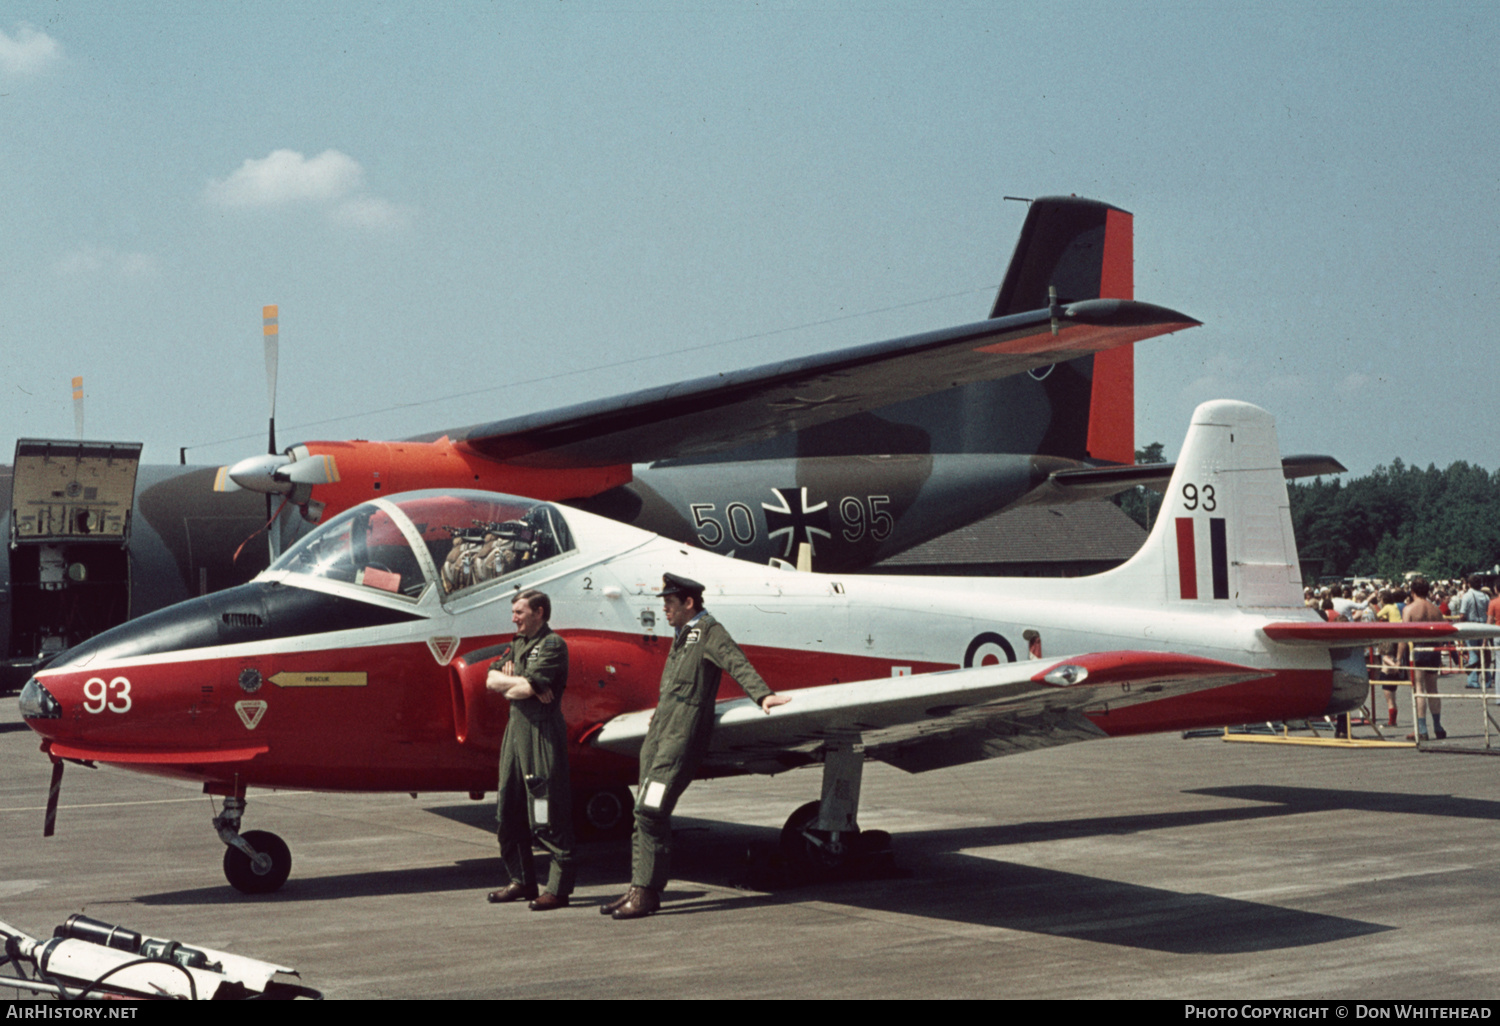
(1441, 523)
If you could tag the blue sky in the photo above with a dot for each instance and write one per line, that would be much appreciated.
(448, 201)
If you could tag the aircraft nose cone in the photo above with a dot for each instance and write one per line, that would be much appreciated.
(260, 474)
(37, 702)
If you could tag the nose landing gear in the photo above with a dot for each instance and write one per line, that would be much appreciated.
(257, 862)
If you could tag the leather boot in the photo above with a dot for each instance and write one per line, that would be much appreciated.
(511, 892)
(640, 902)
(605, 910)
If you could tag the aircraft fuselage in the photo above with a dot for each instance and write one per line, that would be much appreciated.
(296, 681)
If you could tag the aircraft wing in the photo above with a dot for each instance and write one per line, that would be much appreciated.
(706, 414)
(1084, 484)
(932, 720)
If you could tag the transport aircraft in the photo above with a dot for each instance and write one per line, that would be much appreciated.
(751, 464)
(356, 662)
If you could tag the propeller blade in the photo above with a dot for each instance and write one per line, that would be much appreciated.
(273, 542)
(78, 406)
(271, 331)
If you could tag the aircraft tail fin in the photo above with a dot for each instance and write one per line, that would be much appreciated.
(1224, 535)
(1081, 247)
(1085, 250)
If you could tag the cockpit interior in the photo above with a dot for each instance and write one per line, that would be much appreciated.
(455, 541)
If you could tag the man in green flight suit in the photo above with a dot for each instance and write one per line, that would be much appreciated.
(535, 798)
(679, 734)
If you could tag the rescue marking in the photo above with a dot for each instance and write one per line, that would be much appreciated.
(319, 680)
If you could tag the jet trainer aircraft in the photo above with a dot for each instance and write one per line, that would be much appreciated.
(852, 476)
(357, 661)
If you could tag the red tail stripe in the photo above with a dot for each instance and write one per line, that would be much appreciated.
(1187, 559)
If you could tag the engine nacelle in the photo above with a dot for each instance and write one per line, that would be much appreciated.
(605, 678)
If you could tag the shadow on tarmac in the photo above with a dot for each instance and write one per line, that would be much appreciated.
(944, 883)
(1297, 800)
(939, 880)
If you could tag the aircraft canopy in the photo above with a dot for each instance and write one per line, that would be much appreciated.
(456, 541)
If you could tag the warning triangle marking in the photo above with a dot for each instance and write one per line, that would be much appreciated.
(443, 648)
(250, 713)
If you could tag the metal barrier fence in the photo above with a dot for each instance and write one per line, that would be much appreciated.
(1454, 658)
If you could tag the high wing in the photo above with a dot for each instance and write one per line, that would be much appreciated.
(933, 720)
(711, 413)
(1085, 484)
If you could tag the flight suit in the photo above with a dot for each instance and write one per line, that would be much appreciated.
(679, 734)
(534, 766)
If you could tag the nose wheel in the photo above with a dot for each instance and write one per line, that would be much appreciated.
(255, 862)
(263, 873)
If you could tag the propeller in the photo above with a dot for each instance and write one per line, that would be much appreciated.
(78, 406)
(226, 479)
(291, 474)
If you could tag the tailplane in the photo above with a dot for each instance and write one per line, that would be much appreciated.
(1224, 536)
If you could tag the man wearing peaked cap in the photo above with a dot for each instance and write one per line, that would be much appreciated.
(679, 734)
(674, 584)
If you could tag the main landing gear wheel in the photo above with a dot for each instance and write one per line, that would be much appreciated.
(605, 815)
(263, 874)
(802, 843)
(805, 846)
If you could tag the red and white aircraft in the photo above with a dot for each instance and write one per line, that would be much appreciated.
(356, 662)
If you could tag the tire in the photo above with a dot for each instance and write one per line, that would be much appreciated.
(604, 815)
(240, 872)
(797, 848)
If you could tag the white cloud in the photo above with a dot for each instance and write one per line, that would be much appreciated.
(332, 180)
(288, 177)
(91, 259)
(28, 51)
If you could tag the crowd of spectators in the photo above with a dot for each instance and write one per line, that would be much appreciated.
(1386, 601)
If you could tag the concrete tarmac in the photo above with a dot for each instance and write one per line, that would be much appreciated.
(1156, 867)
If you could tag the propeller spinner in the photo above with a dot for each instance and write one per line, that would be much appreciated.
(291, 474)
